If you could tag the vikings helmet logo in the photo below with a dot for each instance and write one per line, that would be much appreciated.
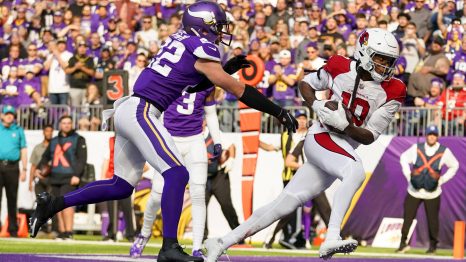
(364, 38)
(208, 17)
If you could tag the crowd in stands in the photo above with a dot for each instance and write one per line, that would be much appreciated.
(56, 52)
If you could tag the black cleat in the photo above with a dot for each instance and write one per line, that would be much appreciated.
(42, 213)
(403, 248)
(431, 251)
(176, 254)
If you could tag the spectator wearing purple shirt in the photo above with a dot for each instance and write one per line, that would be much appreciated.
(27, 88)
(129, 59)
(10, 88)
(283, 78)
(58, 22)
(12, 61)
(264, 54)
(86, 20)
(435, 91)
(111, 31)
(95, 47)
(32, 63)
(459, 61)
(100, 20)
(20, 20)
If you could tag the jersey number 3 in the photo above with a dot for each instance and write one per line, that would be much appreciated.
(360, 108)
(171, 51)
(188, 99)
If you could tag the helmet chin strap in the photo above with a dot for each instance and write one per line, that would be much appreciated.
(359, 69)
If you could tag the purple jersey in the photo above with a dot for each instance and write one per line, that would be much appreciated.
(458, 64)
(6, 64)
(172, 70)
(184, 116)
(11, 87)
(56, 28)
(263, 86)
(26, 89)
(281, 91)
(28, 65)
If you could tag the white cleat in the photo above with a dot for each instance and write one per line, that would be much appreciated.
(332, 247)
(214, 248)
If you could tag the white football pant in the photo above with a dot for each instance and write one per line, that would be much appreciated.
(329, 157)
(194, 153)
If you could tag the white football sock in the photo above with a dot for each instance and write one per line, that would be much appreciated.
(152, 206)
(352, 180)
(198, 211)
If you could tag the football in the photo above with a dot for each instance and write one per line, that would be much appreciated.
(332, 105)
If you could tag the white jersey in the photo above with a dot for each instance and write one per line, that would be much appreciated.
(375, 104)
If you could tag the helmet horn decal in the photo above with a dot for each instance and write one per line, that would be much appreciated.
(208, 17)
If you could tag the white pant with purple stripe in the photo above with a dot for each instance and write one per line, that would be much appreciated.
(141, 137)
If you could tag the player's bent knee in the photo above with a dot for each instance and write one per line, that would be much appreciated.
(285, 204)
(197, 191)
(357, 174)
(124, 189)
(177, 174)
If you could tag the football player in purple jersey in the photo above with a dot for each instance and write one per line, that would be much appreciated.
(183, 120)
(188, 61)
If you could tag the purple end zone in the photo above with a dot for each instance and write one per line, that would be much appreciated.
(88, 258)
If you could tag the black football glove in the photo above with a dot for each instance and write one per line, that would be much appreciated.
(236, 63)
(288, 121)
(232, 66)
(217, 152)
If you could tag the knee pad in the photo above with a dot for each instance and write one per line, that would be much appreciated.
(197, 192)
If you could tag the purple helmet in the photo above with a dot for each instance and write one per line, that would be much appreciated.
(208, 20)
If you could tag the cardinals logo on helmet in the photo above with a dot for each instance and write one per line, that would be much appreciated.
(364, 38)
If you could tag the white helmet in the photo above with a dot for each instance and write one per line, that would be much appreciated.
(377, 41)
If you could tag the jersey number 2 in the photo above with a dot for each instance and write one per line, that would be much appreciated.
(171, 51)
(188, 99)
(360, 108)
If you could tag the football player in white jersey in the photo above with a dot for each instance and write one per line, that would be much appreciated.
(378, 97)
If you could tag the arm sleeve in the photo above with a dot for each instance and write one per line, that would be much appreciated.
(382, 117)
(406, 158)
(212, 123)
(452, 163)
(81, 157)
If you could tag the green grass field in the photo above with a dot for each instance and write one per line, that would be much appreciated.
(92, 245)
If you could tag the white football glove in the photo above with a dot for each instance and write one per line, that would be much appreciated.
(318, 105)
(336, 119)
(228, 165)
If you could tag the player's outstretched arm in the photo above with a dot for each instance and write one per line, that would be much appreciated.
(245, 93)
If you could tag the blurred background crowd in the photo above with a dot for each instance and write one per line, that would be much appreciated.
(55, 52)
